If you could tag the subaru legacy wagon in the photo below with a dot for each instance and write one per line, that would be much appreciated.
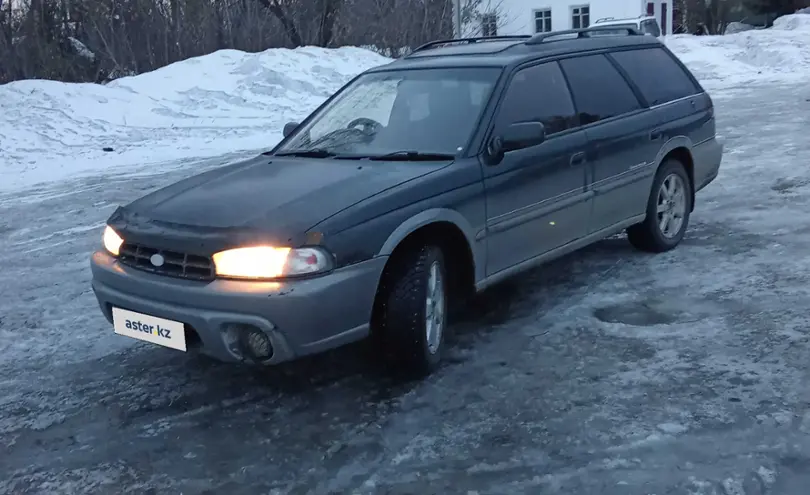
(416, 185)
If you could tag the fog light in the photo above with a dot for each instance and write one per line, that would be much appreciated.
(258, 344)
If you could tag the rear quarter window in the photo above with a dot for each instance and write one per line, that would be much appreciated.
(659, 78)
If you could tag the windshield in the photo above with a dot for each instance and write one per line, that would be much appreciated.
(418, 111)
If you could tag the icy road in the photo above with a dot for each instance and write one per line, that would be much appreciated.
(610, 371)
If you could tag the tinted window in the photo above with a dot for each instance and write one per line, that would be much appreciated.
(659, 78)
(538, 94)
(600, 92)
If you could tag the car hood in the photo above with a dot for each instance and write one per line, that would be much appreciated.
(286, 194)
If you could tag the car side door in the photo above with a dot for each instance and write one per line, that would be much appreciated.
(535, 195)
(621, 146)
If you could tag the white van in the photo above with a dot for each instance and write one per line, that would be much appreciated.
(646, 24)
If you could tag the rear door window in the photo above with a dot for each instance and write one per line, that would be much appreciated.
(600, 91)
(657, 75)
(538, 94)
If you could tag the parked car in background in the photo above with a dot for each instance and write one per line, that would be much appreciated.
(739, 27)
(416, 185)
(644, 24)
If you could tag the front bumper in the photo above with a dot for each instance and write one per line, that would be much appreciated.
(300, 317)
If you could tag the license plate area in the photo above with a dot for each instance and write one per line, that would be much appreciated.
(160, 331)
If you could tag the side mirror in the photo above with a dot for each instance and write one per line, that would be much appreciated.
(523, 135)
(289, 127)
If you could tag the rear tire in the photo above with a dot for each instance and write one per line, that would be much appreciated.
(668, 209)
(410, 320)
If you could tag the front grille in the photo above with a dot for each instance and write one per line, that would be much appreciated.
(176, 264)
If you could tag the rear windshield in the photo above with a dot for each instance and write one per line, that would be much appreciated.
(650, 27)
(618, 29)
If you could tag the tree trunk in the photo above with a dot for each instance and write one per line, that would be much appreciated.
(289, 26)
(328, 17)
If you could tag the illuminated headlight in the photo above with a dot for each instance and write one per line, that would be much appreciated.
(112, 241)
(260, 262)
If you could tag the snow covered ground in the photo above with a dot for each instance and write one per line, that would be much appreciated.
(778, 54)
(609, 371)
(231, 102)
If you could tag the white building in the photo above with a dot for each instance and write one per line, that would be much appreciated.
(512, 17)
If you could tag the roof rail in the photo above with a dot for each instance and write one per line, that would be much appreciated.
(581, 33)
(466, 41)
(605, 19)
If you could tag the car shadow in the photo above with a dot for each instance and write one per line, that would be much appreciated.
(518, 296)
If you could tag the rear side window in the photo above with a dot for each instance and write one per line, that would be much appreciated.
(538, 94)
(600, 91)
(659, 78)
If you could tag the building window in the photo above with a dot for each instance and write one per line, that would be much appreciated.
(580, 17)
(489, 25)
(650, 8)
(542, 21)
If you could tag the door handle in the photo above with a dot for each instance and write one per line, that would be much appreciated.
(578, 158)
(656, 134)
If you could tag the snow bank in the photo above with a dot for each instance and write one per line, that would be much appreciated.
(761, 55)
(226, 102)
(232, 101)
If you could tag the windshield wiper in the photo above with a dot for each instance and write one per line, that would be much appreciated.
(310, 153)
(414, 156)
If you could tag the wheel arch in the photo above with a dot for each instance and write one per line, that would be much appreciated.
(679, 148)
(454, 235)
(425, 218)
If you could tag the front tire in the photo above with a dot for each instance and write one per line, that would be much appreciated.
(668, 209)
(411, 317)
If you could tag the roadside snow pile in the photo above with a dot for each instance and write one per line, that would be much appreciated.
(777, 54)
(226, 102)
(231, 102)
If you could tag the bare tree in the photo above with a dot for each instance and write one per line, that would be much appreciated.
(713, 15)
(100, 40)
(484, 18)
(717, 15)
